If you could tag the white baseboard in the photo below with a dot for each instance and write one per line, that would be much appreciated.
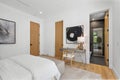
(116, 73)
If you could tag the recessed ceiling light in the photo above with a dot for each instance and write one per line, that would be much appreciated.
(41, 12)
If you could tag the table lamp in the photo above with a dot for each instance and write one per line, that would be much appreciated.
(80, 40)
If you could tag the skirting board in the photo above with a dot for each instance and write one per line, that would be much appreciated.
(116, 73)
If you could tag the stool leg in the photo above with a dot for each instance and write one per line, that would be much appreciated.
(63, 56)
(72, 57)
(71, 62)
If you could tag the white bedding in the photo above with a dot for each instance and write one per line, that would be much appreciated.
(27, 67)
(12, 71)
(41, 68)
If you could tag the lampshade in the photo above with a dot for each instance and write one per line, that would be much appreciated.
(80, 39)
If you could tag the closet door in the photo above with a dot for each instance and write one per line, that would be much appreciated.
(58, 39)
(34, 39)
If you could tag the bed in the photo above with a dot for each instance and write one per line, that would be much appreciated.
(28, 67)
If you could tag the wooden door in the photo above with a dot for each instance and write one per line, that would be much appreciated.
(58, 39)
(106, 37)
(34, 38)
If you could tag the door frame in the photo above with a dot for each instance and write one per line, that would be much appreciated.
(110, 32)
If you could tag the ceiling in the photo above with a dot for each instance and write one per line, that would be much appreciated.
(97, 16)
(48, 7)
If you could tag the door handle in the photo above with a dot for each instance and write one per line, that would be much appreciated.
(30, 44)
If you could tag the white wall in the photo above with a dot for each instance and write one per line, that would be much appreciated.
(76, 15)
(116, 27)
(22, 20)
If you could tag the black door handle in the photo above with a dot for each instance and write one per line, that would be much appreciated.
(30, 44)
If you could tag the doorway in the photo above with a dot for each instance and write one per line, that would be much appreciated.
(34, 38)
(99, 32)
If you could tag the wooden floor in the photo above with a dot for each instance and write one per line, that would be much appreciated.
(106, 73)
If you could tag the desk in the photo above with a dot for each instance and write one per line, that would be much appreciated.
(73, 51)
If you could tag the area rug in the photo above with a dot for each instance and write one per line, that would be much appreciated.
(72, 73)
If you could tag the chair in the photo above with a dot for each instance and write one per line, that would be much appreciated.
(68, 53)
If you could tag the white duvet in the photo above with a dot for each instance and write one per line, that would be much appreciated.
(12, 71)
(29, 68)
